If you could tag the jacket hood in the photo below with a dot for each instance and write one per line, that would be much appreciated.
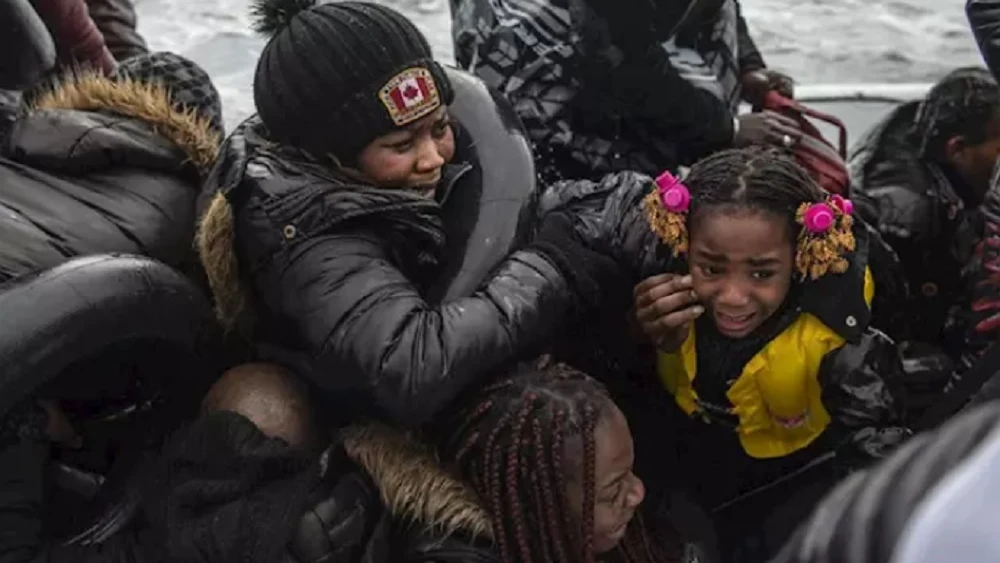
(888, 155)
(147, 103)
(413, 484)
(252, 166)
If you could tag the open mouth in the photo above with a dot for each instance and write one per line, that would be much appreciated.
(733, 325)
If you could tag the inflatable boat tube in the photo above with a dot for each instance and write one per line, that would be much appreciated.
(26, 47)
(490, 211)
(55, 318)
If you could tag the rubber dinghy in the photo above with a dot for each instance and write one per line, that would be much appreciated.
(490, 211)
(128, 346)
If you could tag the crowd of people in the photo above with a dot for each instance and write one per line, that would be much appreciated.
(701, 353)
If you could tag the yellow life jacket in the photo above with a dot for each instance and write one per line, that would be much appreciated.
(777, 395)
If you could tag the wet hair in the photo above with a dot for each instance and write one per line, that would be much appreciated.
(964, 103)
(755, 179)
(508, 443)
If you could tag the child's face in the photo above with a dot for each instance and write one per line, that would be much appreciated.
(741, 267)
(617, 491)
(410, 158)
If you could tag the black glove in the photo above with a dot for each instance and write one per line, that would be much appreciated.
(596, 279)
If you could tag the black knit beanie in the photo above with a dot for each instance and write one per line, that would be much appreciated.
(335, 76)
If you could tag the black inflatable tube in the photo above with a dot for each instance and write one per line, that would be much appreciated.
(52, 319)
(490, 212)
(26, 48)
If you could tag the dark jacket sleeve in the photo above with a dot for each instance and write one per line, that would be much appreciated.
(609, 216)
(749, 56)
(984, 18)
(649, 84)
(862, 387)
(22, 540)
(77, 38)
(862, 520)
(367, 330)
(117, 22)
(981, 278)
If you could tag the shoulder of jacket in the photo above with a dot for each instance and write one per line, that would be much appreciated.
(898, 211)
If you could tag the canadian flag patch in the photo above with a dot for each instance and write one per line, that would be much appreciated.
(410, 95)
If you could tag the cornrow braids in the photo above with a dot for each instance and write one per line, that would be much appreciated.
(964, 103)
(756, 178)
(508, 443)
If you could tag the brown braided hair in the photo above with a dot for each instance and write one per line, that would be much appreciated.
(508, 443)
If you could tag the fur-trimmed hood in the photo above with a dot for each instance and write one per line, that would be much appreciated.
(98, 104)
(413, 484)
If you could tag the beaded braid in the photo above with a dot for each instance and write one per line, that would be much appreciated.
(508, 444)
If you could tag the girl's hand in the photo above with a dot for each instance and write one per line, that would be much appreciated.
(665, 306)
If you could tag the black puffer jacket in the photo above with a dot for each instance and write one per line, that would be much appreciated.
(594, 83)
(949, 248)
(427, 516)
(117, 22)
(333, 274)
(101, 166)
(870, 517)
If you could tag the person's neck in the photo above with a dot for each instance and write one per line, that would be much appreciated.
(964, 189)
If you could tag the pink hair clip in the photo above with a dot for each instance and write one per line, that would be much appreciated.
(818, 218)
(845, 205)
(673, 193)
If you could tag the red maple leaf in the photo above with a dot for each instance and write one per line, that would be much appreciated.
(411, 92)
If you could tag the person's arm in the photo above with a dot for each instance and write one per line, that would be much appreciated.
(861, 382)
(750, 58)
(979, 317)
(652, 88)
(117, 23)
(609, 215)
(984, 18)
(367, 329)
(77, 38)
(548, 67)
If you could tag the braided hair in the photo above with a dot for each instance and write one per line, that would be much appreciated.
(964, 103)
(756, 178)
(509, 444)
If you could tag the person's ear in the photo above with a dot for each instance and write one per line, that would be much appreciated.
(955, 150)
